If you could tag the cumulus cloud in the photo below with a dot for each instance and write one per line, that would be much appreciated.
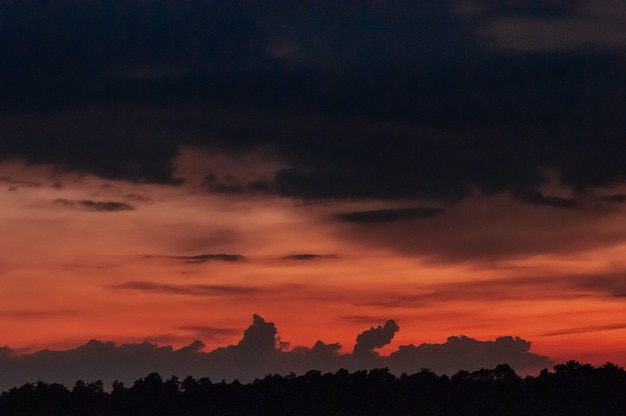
(260, 337)
(373, 338)
(257, 354)
(467, 353)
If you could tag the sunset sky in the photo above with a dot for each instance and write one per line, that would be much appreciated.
(168, 169)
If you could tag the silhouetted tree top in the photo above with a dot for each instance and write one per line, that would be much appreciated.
(571, 388)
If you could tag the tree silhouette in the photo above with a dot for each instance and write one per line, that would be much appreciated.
(571, 388)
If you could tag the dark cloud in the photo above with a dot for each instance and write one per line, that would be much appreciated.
(204, 258)
(401, 100)
(14, 184)
(192, 290)
(227, 188)
(260, 337)
(373, 338)
(89, 205)
(617, 198)
(213, 184)
(492, 290)
(309, 256)
(113, 53)
(556, 27)
(5, 352)
(257, 354)
(302, 257)
(389, 215)
(611, 284)
(521, 287)
(493, 229)
(139, 198)
(260, 186)
(530, 8)
(105, 206)
(112, 144)
(584, 329)
(535, 197)
(457, 351)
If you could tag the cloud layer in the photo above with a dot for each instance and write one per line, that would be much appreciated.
(257, 354)
(413, 109)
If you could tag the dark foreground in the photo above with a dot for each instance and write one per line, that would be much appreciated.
(571, 389)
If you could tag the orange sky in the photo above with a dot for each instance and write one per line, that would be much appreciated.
(71, 272)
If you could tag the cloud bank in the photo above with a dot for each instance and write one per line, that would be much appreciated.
(257, 354)
(421, 107)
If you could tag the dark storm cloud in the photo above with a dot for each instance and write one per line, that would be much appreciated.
(367, 99)
(110, 206)
(257, 354)
(112, 144)
(192, 290)
(389, 215)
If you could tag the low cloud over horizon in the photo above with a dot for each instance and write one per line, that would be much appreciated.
(257, 354)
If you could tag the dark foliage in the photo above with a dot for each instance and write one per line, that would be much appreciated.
(571, 389)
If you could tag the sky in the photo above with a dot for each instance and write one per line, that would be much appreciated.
(310, 184)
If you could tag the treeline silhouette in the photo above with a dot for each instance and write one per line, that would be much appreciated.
(571, 388)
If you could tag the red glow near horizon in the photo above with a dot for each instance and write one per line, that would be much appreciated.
(71, 274)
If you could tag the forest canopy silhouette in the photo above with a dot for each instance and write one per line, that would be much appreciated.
(572, 389)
